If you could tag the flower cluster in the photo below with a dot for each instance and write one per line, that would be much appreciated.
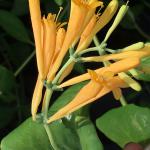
(52, 42)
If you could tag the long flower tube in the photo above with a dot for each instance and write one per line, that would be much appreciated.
(37, 96)
(95, 24)
(46, 31)
(35, 13)
(79, 11)
(122, 55)
(117, 67)
(89, 93)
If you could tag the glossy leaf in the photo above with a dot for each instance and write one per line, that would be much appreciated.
(144, 70)
(66, 97)
(126, 124)
(31, 135)
(13, 26)
(35, 136)
(88, 136)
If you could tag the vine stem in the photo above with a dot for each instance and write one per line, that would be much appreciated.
(49, 93)
(87, 50)
(24, 64)
(102, 52)
(56, 79)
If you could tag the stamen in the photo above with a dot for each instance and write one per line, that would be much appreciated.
(99, 10)
(60, 10)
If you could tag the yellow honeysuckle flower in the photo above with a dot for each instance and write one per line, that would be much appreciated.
(104, 81)
(36, 99)
(46, 31)
(49, 41)
(59, 42)
(117, 67)
(122, 55)
(35, 12)
(96, 24)
(96, 88)
(79, 11)
(37, 95)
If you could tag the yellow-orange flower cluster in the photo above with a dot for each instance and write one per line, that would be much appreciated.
(52, 42)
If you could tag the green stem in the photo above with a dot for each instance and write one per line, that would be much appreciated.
(102, 52)
(62, 70)
(111, 50)
(50, 137)
(24, 64)
(99, 45)
(49, 93)
(87, 50)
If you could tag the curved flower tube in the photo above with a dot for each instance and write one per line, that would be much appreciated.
(99, 88)
(95, 24)
(117, 67)
(79, 11)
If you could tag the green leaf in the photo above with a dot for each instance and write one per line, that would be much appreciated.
(13, 26)
(85, 128)
(126, 124)
(7, 83)
(88, 136)
(32, 136)
(66, 97)
(144, 70)
(29, 135)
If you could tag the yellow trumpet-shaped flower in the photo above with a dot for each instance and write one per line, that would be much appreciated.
(35, 12)
(37, 96)
(79, 11)
(49, 41)
(47, 33)
(104, 81)
(96, 88)
(122, 55)
(96, 24)
(117, 67)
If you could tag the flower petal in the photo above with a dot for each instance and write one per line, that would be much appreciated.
(117, 67)
(85, 96)
(35, 13)
(37, 97)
